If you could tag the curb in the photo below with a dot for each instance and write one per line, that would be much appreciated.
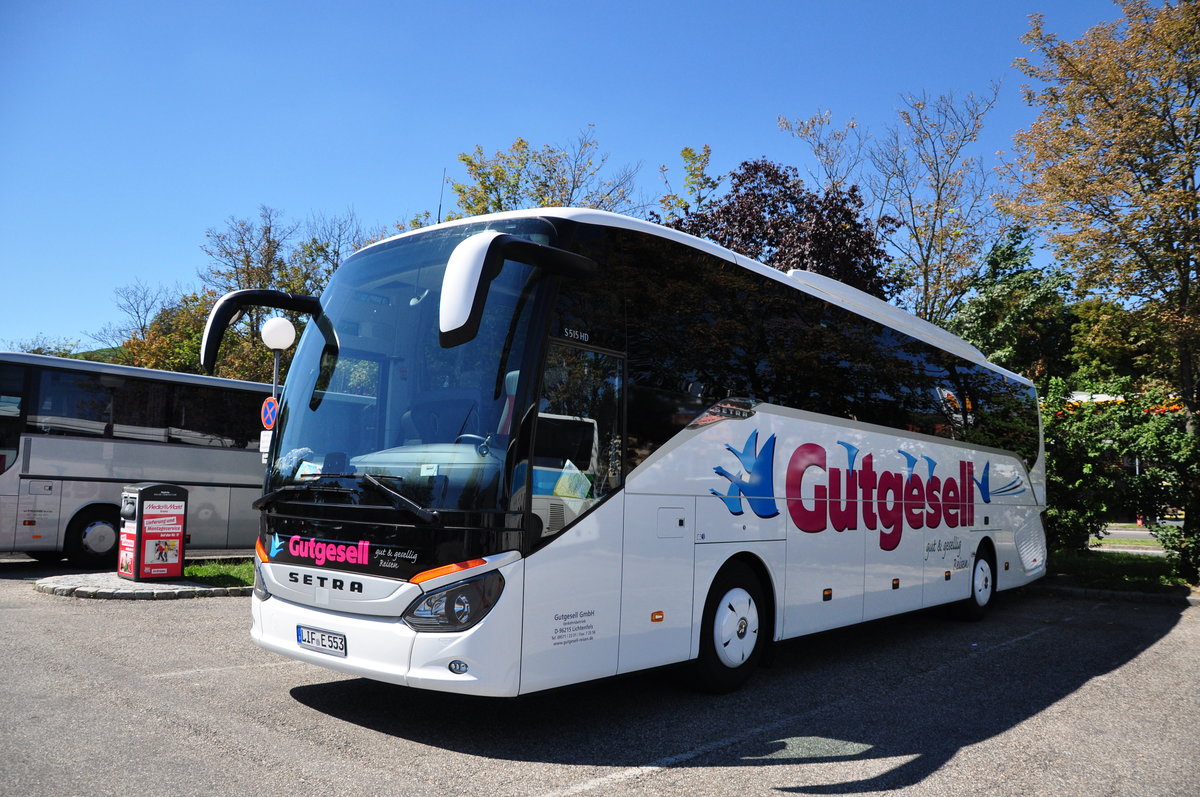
(1115, 595)
(109, 586)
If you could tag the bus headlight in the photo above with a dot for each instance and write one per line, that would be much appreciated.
(456, 607)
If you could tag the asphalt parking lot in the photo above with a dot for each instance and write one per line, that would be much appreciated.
(1049, 695)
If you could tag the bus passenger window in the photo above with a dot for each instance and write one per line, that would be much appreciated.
(578, 445)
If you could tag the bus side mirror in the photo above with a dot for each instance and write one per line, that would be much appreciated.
(229, 308)
(472, 266)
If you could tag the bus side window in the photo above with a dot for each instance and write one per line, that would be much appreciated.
(577, 449)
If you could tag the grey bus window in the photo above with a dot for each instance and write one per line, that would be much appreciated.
(216, 417)
(99, 405)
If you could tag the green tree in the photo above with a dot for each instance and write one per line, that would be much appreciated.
(575, 175)
(923, 173)
(1110, 341)
(1109, 169)
(55, 347)
(1109, 453)
(768, 214)
(171, 340)
(267, 252)
(699, 187)
(1018, 316)
(925, 176)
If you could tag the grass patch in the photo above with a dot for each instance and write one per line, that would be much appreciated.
(1110, 542)
(221, 572)
(1115, 570)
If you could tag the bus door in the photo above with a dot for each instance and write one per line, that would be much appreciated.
(12, 420)
(573, 579)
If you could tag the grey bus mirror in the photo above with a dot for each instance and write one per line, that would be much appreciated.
(472, 266)
(229, 309)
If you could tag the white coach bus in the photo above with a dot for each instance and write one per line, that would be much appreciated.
(73, 433)
(531, 449)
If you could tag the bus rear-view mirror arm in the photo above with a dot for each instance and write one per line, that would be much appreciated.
(472, 266)
(229, 309)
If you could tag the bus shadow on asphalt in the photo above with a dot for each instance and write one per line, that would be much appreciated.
(916, 688)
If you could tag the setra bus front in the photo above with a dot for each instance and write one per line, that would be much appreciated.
(402, 471)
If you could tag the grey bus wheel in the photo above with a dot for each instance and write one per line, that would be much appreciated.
(731, 639)
(92, 538)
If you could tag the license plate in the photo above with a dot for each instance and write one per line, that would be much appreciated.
(321, 641)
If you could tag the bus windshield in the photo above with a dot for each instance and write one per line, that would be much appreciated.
(378, 412)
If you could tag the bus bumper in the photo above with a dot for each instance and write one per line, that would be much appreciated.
(386, 649)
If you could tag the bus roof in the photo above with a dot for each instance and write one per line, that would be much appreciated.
(130, 371)
(819, 285)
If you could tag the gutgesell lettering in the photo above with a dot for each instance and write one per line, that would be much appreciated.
(821, 495)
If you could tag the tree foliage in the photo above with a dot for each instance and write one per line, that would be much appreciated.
(769, 215)
(926, 177)
(1110, 166)
(699, 187)
(574, 175)
(839, 152)
(54, 347)
(140, 303)
(1110, 341)
(923, 173)
(1018, 315)
(266, 252)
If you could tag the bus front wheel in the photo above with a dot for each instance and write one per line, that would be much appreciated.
(92, 538)
(731, 640)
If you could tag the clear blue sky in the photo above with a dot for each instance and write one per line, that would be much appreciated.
(128, 128)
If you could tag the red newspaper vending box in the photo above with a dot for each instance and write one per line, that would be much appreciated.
(153, 531)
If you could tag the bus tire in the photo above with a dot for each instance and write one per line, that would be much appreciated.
(92, 537)
(983, 585)
(731, 640)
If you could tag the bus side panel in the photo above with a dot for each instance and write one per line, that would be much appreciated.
(243, 517)
(895, 579)
(8, 522)
(949, 551)
(572, 613)
(830, 560)
(99, 477)
(222, 517)
(38, 515)
(658, 566)
(208, 517)
(1020, 553)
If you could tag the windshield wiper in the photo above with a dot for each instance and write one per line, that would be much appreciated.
(399, 501)
(276, 495)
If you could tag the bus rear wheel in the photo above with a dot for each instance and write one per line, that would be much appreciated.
(983, 586)
(92, 538)
(731, 641)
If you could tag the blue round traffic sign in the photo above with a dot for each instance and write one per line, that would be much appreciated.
(270, 409)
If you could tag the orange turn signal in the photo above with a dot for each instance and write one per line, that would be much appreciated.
(426, 575)
(260, 550)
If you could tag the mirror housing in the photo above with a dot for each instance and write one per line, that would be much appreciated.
(229, 309)
(472, 266)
